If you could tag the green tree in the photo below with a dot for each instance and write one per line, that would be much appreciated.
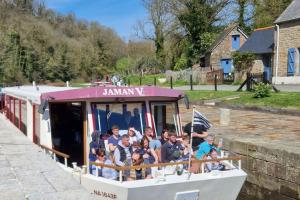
(267, 11)
(198, 17)
(243, 62)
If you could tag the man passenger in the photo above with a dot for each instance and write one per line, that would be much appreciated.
(123, 154)
(171, 150)
(113, 140)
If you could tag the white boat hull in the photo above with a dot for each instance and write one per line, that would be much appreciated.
(221, 185)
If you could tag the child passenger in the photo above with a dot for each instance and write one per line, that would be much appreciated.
(97, 170)
(214, 165)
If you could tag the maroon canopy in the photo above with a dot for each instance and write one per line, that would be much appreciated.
(112, 92)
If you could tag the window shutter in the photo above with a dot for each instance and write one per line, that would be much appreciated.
(291, 62)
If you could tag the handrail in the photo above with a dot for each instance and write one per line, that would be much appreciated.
(65, 156)
(122, 168)
(55, 151)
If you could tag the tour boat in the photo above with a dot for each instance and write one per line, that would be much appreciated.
(61, 120)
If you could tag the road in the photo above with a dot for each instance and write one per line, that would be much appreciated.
(283, 88)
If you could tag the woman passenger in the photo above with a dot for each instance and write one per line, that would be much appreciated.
(164, 136)
(97, 170)
(149, 154)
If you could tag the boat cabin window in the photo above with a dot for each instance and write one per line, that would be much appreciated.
(124, 115)
(165, 115)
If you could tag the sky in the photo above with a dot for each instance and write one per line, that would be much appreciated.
(120, 15)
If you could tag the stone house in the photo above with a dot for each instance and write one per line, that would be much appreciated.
(287, 46)
(261, 43)
(219, 55)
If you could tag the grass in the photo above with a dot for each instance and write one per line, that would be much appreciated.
(276, 100)
(290, 100)
(207, 95)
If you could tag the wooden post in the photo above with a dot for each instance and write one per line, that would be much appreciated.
(191, 81)
(248, 82)
(216, 82)
(140, 80)
(128, 82)
(171, 82)
(154, 81)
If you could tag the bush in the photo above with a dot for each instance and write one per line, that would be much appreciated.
(262, 90)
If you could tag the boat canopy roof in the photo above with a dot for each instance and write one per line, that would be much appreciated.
(114, 93)
(33, 93)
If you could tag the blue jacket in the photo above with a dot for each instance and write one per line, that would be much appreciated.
(204, 149)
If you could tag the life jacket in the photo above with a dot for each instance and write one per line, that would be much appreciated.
(123, 152)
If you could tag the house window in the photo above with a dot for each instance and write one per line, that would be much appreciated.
(291, 62)
(235, 42)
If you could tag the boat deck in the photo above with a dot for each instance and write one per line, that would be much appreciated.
(27, 173)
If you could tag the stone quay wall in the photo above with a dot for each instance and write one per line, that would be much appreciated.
(272, 173)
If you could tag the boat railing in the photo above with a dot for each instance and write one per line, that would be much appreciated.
(56, 153)
(202, 162)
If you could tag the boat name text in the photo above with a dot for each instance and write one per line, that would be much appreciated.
(123, 91)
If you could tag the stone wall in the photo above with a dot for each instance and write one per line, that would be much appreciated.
(258, 66)
(272, 173)
(198, 73)
(223, 50)
(289, 37)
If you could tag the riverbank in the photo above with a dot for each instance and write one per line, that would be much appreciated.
(270, 147)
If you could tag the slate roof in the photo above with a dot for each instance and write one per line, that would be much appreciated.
(292, 12)
(221, 37)
(261, 41)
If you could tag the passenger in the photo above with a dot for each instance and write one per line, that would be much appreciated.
(123, 154)
(205, 147)
(187, 147)
(164, 136)
(171, 150)
(214, 165)
(199, 133)
(96, 143)
(154, 143)
(109, 173)
(149, 154)
(113, 140)
(134, 137)
(100, 159)
(138, 174)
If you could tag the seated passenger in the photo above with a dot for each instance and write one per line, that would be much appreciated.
(148, 153)
(154, 143)
(123, 154)
(206, 146)
(113, 140)
(97, 170)
(134, 137)
(214, 165)
(164, 136)
(108, 172)
(187, 147)
(96, 143)
(138, 174)
(171, 150)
